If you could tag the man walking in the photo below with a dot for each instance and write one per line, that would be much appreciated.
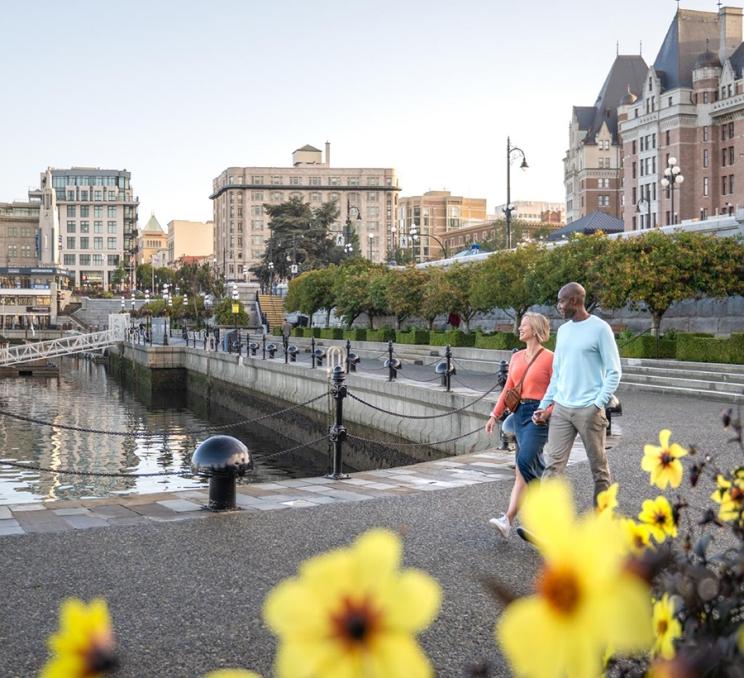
(286, 331)
(586, 372)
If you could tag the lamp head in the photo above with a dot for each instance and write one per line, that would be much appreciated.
(672, 161)
(679, 179)
(524, 164)
(665, 182)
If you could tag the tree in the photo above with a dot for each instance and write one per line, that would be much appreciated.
(460, 280)
(522, 232)
(404, 292)
(223, 313)
(119, 276)
(351, 290)
(438, 295)
(312, 291)
(504, 282)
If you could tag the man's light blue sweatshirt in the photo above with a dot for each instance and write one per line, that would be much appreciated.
(586, 365)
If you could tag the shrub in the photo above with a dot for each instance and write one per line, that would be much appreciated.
(383, 334)
(645, 347)
(356, 334)
(702, 349)
(500, 341)
(736, 348)
(298, 332)
(452, 338)
(413, 336)
(331, 333)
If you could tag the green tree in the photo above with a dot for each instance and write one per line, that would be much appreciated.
(119, 276)
(312, 291)
(522, 232)
(351, 290)
(404, 292)
(223, 313)
(438, 295)
(460, 281)
(504, 282)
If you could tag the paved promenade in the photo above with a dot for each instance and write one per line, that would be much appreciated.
(186, 593)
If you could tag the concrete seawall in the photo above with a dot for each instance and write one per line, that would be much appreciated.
(220, 377)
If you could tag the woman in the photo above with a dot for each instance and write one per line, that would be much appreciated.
(534, 330)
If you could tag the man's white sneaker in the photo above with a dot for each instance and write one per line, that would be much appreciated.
(502, 524)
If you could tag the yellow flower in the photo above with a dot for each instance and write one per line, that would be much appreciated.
(637, 537)
(84, 644)
(666, 627)
(232, 673)
(740, 639)
(662, 461)
(585, 602)
(657, 514)
(353, 612)
(730, 495)
(607, 501)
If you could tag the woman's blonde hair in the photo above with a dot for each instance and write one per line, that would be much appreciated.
(540, 326)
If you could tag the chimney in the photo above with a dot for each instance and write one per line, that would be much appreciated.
(328, 154)
(729, 22)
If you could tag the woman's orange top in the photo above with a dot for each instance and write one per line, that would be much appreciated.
(535, 383)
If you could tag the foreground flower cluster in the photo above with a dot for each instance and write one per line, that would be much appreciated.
(613, 594)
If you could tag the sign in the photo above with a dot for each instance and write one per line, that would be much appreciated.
(294, 268)
(235, 308)
(38, 309)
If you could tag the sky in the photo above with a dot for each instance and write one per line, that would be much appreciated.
(176, 92)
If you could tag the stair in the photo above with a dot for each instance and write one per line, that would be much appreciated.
(272, 306)
(709, 381)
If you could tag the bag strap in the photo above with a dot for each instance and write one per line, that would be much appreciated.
(521, 381)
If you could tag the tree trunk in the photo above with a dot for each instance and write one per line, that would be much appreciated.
(328, 317)
(656, 323)
(431, 324)
(371, 321)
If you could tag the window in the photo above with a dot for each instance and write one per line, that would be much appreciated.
(98, 196)
(373, 181)
(731, 155)
(277, 196)
(731, 130)
(70, 226)
(111, 226)
(113, 259)
(705, 133)
(633, 147)
(315, 197)
(256, 179)
(295, 181)
(633, 169)
(111, 196)
(71, 210)
(670, 101)
(84, 195)
(705, 101)
(111, 243)
(97, 260)
(353, 181)
(706, 189)
(334, 181)
(731, 183)
(69, 259)
(257, 210)
(315, 181)
(98, 211)
(724, 156)
(635, 195)
(84, 243)
(724, 185)
(85, 259)
(667, 138)
(111, 212)
(71, 195)
(97, 227)
(372, 196)
(70, 243)
(276, 180)
(257, 224)
(85, 226)
(706, 157)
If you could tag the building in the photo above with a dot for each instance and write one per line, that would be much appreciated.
(19, 234)
(189, 238)
(151, 239)
(689, 112)
(593, 162)
(591, 223)
(535, 212)
(366, 196)
(436, 213)
(88, 221)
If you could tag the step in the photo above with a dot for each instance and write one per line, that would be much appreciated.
(730, 398)
(679, 365)
(699, 385)
(682, 373)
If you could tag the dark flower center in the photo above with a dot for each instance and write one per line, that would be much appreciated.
(660, 519)
(560, 588)
(666, 459)
(662, 627)
(737, 495)
(355, 621)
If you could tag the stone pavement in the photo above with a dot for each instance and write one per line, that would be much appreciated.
(460, 471)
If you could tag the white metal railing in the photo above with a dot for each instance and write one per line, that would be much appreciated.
(79, 343)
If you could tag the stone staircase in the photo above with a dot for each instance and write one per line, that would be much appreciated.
(710, 381)
(273, 307)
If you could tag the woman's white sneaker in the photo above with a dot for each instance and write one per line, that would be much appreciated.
(502, 524)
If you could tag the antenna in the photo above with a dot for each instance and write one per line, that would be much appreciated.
(617, 50)
(640, 49)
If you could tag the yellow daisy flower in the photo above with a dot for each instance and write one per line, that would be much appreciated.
(666, 627)
(84, 645)
(637, 536)
(353, 612)
(585, 602)
(662, 461)
(657, 514)
(607, 501)
(730, 495)
(232, 673)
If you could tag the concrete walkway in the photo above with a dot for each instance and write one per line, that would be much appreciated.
(186, 596)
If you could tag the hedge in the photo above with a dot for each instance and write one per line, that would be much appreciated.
(703, 349)
(383, 334)
(646, 347)
(356, 334)
(331, 333)
(413, 336)
(502, 341)
(452, 338)
(736, 347)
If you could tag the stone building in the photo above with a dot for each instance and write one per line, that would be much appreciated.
(189, 238)
(366, 196)
(151, 239)
(593, 162)
(435, 213)
(689, 109)
(19, 234)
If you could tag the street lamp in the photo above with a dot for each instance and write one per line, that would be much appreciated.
(672, 176)
(123, 304)
(416, 235)
(148, 326)
(351, 209)
(165, 314)
(512, 152)
(270, 266)
(133, 309)
(235, 310)
(370, 240)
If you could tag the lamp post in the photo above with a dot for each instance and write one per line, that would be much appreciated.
(236, 310)
(512, 152)
(350, 210)
(165, 314)
(271, 277)
(416, 235)
(133, 309)
(672, 176)
(394, 242)
(370, 240)
(148, 326)
(123, 304)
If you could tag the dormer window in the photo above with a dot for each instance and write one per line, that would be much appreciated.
(650, 85)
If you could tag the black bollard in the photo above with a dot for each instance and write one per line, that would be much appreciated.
(503, 373)
(348, 353)
(337, 433)
(448, 376)
(263, 343)
(312, 352)
(285, 344)
(223, 459)
(391, 368)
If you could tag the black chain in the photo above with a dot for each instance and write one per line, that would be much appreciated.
(206, 429)
(436, 442)
(423, 416)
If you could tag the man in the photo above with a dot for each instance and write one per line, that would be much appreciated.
(286, 331)
(586, 372)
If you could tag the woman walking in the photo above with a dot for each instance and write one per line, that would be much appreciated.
(532, 368)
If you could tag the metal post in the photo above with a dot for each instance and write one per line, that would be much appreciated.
(239, 344)
(391, 369)
(285, 346)
(337, 433)
(448, 355)
(508, 193)
(312, 352)
(348, 353)
(264, 347)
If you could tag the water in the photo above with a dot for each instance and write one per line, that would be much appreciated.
(85, 395)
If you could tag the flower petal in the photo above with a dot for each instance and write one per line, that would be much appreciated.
(664, 436)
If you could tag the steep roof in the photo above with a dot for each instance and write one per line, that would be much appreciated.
(591, 223)
(687, 37)
(153, 226)
(737, 60)
(308, 147)
(585, 115)
(628, 71)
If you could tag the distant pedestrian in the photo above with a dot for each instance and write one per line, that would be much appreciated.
(454, 320)
(287, 328)
(586, 372)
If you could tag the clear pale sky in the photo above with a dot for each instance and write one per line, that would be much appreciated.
(176, 92)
